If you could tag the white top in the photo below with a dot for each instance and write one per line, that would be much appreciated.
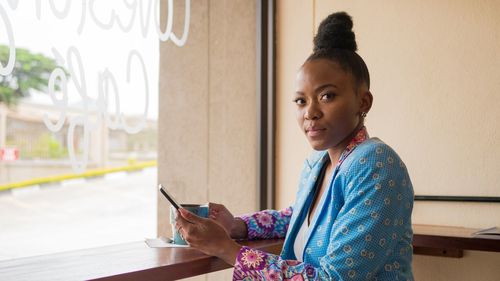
(300, 239)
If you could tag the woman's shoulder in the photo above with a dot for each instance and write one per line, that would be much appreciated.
(374, 150)
(373, 146)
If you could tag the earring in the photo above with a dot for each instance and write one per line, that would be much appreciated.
(363, 114)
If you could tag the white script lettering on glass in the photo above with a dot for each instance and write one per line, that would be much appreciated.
(7, 69)
(107, 85)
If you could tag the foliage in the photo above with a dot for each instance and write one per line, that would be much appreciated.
(31, 72)
(45, 146)
(48, 147)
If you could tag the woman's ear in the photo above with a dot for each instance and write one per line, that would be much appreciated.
(365, 101)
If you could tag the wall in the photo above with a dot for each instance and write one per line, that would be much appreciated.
(207, 117)
(435, 82)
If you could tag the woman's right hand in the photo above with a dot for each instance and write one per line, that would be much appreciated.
(235, 227)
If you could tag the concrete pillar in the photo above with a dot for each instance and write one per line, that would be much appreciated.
(207, 118)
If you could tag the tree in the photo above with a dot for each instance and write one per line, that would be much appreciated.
(31, 72)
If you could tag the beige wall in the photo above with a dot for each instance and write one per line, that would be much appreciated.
(436, 84)
(207, 116)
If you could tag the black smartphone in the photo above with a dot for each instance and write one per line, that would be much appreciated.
(169, 196)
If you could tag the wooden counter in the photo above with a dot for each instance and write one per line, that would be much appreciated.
(449, 241)
(136, 261)
(131, 261)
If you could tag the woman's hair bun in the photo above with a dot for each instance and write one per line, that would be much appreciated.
(335, 32)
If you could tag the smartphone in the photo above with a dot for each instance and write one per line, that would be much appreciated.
(169, 197)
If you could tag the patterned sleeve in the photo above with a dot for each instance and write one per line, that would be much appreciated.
(253, 264)
(370, 238)
(267, 224)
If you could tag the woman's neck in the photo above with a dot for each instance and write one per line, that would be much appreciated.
(335, 152)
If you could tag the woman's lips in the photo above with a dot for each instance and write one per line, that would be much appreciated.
(315, 132)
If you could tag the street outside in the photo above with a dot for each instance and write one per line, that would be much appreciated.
(78, 214)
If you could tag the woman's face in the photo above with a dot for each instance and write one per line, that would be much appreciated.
(328, 108)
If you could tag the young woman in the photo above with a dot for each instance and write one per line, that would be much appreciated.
(352, 216)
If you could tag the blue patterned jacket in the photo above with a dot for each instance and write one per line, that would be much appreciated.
(361, 229)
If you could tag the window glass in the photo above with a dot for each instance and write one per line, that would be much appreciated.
(78, 122)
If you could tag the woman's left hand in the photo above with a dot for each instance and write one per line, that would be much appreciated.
(207, 236)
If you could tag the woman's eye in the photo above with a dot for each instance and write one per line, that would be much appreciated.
(299, 101)
(327, 96)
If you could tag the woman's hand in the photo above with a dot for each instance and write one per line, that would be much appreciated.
(235, 227)
(207, 236)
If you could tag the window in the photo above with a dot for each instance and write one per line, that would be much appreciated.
(78, 123)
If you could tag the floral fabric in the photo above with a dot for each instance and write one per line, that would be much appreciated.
(360, 231)
(268, 224)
